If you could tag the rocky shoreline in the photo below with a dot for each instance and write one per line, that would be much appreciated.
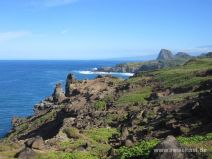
(110, 117)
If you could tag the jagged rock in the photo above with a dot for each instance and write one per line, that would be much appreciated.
(70, 80)
(170, 144)
(26, 153)
(58, 95)
(165, 55)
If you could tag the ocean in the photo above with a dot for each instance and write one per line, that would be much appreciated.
(25, 83)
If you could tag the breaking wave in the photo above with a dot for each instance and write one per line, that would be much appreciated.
(105, 73)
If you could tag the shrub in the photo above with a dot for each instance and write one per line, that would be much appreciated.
(100, 105)
(141, 150)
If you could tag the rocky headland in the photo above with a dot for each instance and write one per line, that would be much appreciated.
(165, 59)
(167, 108)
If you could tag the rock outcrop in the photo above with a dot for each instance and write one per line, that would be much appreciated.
(165, 55)
(58, 95)
(69, 81)
(170, 148)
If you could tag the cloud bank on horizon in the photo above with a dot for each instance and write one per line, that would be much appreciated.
(94, 29)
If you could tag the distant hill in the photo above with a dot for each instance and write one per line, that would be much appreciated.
(165, 59)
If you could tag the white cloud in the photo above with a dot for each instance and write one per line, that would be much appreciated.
(64, 31)
(6, 36)
(199, 49)
(51, 3)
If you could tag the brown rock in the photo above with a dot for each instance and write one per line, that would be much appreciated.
(169, 145)
(128, 143)
(26, 153)
(70, 80)
(35, 143)
(58, 95)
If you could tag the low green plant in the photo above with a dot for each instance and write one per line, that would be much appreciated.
(142, 149)
(100, 134)
(100, 105)
(194, 139)
(135, 97)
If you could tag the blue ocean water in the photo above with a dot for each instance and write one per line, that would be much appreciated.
(25, 83)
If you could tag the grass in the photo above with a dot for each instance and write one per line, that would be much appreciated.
(194, 139)
(100, 134)
(185, 76)
(172, 99)
(135, 97)
(65, 155)
(96, 138)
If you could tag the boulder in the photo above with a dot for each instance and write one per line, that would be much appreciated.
(58, 95)
(128, 143)
(26, 153)
(168, 147)
(35, 143)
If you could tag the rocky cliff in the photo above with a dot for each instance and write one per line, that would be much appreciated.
(113, 118)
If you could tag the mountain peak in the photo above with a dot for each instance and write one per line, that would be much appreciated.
(165, 55)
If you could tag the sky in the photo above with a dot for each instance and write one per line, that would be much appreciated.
(102, 29)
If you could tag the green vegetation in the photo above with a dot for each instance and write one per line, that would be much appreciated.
(186, 75)
(95, 138)
(194, 139)
(174, 98)
(100, 105)
(100, 134)
(135, 97)
(142, 149)
(64, 155)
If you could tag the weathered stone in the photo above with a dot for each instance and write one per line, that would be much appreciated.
(169, 145)
(35, 143)
(70, 80)
(128, 143)
(26, 153)
(58, 95)
(38, 143)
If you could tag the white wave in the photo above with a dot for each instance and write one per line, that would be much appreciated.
(95, 69)
(104, 73)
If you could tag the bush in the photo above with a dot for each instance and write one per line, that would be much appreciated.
(100, 105)
(141, 150)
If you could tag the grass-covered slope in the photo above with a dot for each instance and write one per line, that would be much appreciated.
(114, 118)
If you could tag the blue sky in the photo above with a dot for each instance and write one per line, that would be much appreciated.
(97, 29)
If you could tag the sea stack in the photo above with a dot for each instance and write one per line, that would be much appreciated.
(58, 95)
(165, 55)
(70, 80)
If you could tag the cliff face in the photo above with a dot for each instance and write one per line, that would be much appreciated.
(165, 59)
(165, 55)
(113, 118)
